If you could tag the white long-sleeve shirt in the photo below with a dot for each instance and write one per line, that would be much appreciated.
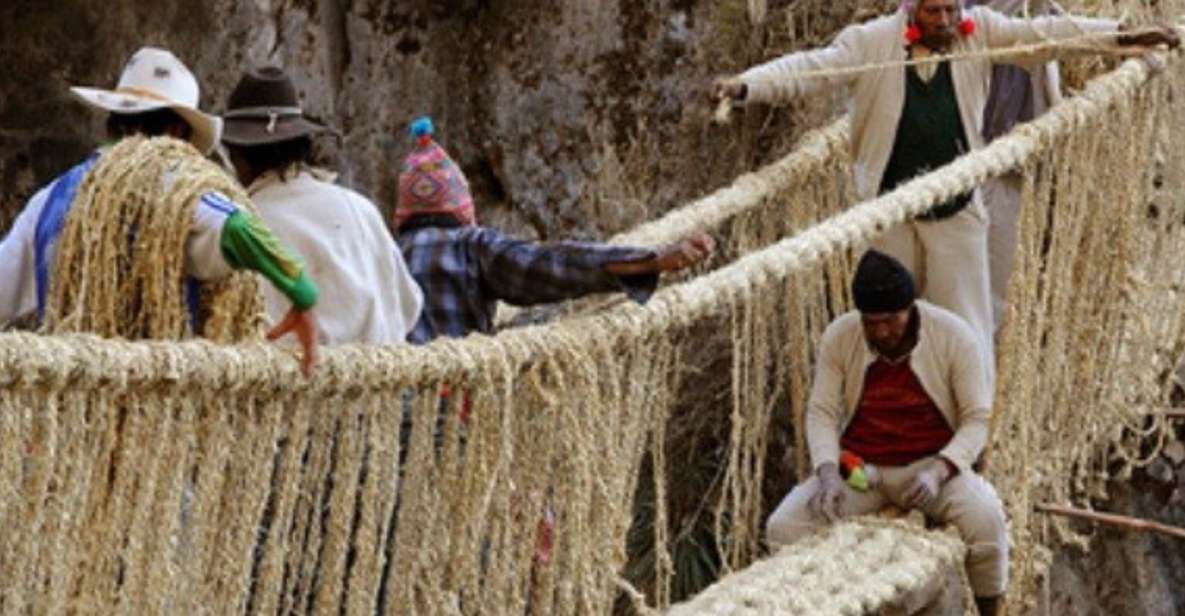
(367, 293)
(18, 284)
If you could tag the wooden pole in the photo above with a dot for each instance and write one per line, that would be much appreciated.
(1120, 521)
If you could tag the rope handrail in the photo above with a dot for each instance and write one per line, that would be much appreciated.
(1086, 42)
(745, 193)
(59, 358)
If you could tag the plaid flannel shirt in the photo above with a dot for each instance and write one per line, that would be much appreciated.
(465, 270)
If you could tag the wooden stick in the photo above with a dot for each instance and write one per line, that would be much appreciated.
(1121, 521)
(1174, 414)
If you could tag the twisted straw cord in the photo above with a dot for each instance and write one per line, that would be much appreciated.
(748, 192)
(1086, 42)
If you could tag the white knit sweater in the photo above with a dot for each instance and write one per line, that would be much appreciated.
(878, 96)
(946, 360)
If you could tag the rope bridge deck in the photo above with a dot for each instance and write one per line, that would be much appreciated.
(856, 567)
(162, 477)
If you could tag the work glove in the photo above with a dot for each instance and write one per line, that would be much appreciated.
(828, 501)
(926, 485)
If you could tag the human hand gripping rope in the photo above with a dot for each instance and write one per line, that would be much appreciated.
(728, 93)
(303, 324)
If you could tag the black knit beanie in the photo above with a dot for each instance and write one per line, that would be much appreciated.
(882, 284)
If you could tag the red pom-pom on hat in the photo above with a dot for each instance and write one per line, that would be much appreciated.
(913, 34)
(967, 27)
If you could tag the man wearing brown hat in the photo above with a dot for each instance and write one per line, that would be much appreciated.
(157, 96)
(901, 402)
(368, 295)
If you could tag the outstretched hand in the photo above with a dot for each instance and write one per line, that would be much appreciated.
(670, 258)
(304, 324)
(685, 252)
(1152, 37)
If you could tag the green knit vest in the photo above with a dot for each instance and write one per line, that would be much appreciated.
(929, 135)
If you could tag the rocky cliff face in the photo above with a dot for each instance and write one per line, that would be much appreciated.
(541, 102)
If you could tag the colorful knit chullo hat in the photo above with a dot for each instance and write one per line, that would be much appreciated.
(430, 182)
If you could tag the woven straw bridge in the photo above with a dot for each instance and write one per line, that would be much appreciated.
(158, 477)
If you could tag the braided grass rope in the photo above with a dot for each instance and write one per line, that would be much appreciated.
(121, 261)
(806, 164)
(811, 183)
(853, 568)
(163, 476)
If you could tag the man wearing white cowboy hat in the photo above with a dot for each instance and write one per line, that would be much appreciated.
(368, 294)
(152, 80)
(906, 121)
(156, 96)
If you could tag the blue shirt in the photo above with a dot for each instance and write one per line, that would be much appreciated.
(223, 238)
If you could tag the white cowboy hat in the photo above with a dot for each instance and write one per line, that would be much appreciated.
(155, 79)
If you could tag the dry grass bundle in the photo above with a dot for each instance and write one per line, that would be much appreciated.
(120, 268)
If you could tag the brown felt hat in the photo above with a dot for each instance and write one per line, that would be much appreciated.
(263, 109)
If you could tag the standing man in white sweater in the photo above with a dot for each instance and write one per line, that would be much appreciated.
(368, 295)
(908, 121)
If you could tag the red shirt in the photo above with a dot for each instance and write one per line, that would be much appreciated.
(896, 422)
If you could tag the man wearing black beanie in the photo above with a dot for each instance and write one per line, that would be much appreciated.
(884, 292)
(900, 401)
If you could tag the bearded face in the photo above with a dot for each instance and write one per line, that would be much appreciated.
(938, 21)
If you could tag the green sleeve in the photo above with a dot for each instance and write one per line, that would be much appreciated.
(247, 244)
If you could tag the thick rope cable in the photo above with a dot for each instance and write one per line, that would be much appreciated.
(812, 155)
(1087, 42)
(855, 567)
(120, 264)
